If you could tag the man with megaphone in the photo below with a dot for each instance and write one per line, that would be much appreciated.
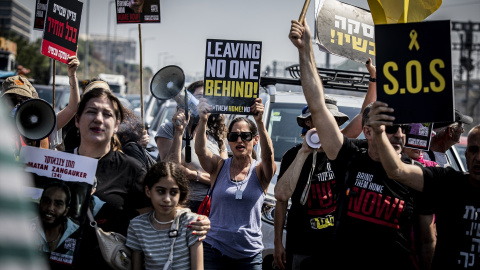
(35, 118)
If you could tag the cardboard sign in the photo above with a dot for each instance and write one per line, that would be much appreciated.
(419, 136)
(414, 71)
(344, 30)
(138, 11)
(40, 13)
(61, 30)
(59, 165)
(232, 75)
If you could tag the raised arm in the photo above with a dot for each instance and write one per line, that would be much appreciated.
(279, 253)
(354, 128)
(409, 175)
(65, 115)
(267, 166)
(207, 159)
(329, 134)
(174, 154)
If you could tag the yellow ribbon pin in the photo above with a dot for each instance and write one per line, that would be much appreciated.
(413, 42)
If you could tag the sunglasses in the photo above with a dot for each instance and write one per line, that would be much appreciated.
(393, 129)
(245, 136)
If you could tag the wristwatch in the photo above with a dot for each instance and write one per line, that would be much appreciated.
(372, 79)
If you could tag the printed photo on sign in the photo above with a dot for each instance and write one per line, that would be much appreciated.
(62, 27)
(419, 136)
(232, 75)
(40, 13)
(344, 30)
(137, 11)
(415, 64)
(60, 191)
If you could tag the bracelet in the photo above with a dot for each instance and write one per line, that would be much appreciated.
(372, 79)
(198, 176)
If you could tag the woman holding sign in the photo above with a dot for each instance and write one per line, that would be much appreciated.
(235, 238)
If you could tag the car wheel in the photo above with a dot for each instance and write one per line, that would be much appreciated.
(268, 263)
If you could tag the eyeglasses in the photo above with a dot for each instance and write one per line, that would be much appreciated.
(245, 136)
(393, 129)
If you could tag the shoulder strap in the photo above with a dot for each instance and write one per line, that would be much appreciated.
(173, 233)
(431, 155)
(210, 190)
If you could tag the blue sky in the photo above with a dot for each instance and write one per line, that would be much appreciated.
(186, 25)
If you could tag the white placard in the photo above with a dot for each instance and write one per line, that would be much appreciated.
(59, 165)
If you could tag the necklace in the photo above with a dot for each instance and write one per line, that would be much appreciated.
(239, 192)
(54, 240)
(161, 222)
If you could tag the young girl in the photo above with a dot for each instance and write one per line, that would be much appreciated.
(148, 234)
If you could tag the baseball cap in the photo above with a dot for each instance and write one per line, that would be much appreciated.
(459, 117)
(331, 104)
(20, 86)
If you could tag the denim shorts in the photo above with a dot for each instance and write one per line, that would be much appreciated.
(213, 259)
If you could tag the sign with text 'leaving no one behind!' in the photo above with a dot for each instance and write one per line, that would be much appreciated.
(61, 29)
(414, 71)
(232, 75)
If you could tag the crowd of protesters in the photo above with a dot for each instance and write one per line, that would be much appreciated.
(372, 203)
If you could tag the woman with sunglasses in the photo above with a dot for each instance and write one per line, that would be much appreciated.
(239, 186)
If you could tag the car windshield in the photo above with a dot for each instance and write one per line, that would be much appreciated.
(284, 130)
(47, 94)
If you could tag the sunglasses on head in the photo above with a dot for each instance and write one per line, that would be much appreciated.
(393, 129)
(245, 136)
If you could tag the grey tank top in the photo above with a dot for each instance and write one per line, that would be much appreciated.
(236, 224)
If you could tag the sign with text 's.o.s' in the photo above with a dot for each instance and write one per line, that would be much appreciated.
(137, 11)
(61, 30)
(232, 75)
(414, 71)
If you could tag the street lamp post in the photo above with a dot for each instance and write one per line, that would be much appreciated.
(160, 55)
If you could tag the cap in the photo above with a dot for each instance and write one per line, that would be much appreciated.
(20, 86)
(97, 84)
(331, 104)
(459, 117)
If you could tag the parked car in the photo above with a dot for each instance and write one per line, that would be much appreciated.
(62, 95)
(461, 148)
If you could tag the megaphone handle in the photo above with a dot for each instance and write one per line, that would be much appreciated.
(188, 154)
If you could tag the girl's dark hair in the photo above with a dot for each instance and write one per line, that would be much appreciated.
(117, 108)
(193, 86)
(251, 125)
(216, 128)
(63, 187)
(165, 169)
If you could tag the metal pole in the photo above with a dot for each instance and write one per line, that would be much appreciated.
(141, 74)
(86, 44)
(53, 82)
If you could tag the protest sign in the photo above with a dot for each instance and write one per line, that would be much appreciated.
(60, 165)
(62, 26)
(232, 75)
(137, 11)
(40, 13)
(344, 30)
(414, 65)
(419, 136)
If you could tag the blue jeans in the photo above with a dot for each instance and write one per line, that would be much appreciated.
(213, 259)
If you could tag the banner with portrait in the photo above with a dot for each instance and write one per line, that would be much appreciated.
(137, 11)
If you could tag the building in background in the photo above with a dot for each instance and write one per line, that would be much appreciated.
(15, 17)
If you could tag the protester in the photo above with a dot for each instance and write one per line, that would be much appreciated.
(15, 209)
(150, 235)
(311, 217)
(235, 239)
(417, 155)
(456, 217)
(446, 135)
(57, 233)
(17, 89)
(171, 146)
(374, 213)
(134, 139)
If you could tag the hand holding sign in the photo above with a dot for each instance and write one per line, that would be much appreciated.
(299, 34)
(257, 109)
(203, 109)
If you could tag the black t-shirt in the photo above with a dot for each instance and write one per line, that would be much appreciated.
(310, 226)
(120, 181)
(456, 204)
(376, 213)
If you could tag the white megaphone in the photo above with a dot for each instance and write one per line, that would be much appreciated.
(168, 83)
(35, 119)
(312, 138)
